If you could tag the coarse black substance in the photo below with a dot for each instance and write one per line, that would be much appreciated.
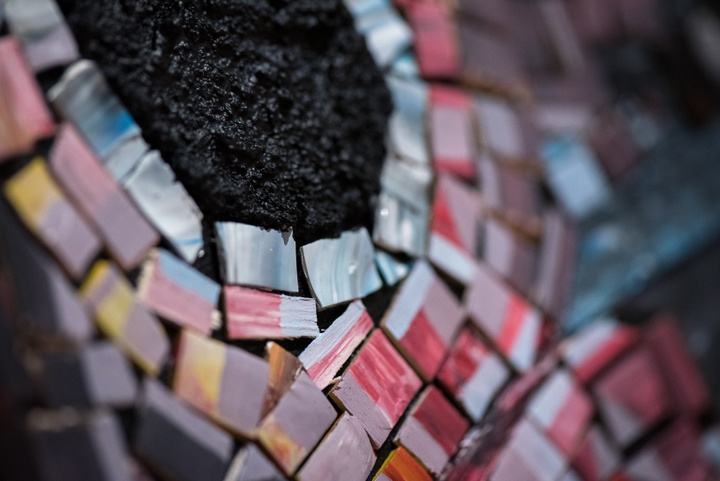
(270, 112)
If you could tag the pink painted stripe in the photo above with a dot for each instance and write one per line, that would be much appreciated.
(515, 316)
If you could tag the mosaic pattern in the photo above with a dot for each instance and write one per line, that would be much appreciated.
(425, 349)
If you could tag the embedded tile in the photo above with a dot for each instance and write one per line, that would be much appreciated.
(432, 430)
(224, 382)
(377, 387)
(511, 256)
(391, 269)
(423, 320)
(123, 229)
(123, 318)
(513, 325)
(250, 464)
(406, 128)
(253, 314)
(45, 210)
(436, 44)
(401, 466)
(341, 270)
(345, 453)
(529, 456)
(596, 458)
(24, 117)
(257, 257)
(175, 440)
(177, 292)
(166, 204)
(452, 131)
(41, 28)
(329, 352)
(473, 374)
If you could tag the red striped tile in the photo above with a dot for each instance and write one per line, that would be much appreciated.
(423, 320)
(507, 319)
(596, 459)
(377, 387)
(451, 132)
(435, 42)
(253, 314)
(326, 355)
(433, 430)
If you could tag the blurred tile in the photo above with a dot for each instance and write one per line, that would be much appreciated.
(435, 40)
(253, 314)
(122, 318)
(512, 195)
(556, 264)
(499, 128)
(41, 28)
(432, 430)
(452, 131)
(594, 348)
(96, 194)
(510, 255)
(473, 374)
(97, 375)
(423, 320)
(327, 354)
(402, 215)
(631, 397)
(44, 209)
(386, 33)
(401, 466)
(345, 453)
(596, 459)
(59, 314)
(257, 257)
(391, 269)
(673, 455)
(455, 221)
(529, 456)
(562, 410)
(505, 317)
(250, 464)
(166, 204)
(494, 12)
(70, 445)
(177, 292)
(297, 424)
(377, 387)
(83, 97)
(175, 440)
(285, 368)
(574, 176)
(24, 117)
(224, 382)
(685, 385)
(341, 270)
(406, 129)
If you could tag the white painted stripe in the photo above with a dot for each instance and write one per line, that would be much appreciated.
(410, 300)
(298, 317)
(584, 345)
(522, 354)
(451, 260)
(547, 403)
(477, 394)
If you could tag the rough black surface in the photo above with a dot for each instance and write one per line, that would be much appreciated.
(271, 112)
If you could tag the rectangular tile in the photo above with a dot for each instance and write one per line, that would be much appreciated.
(406, 129)
(253, 314)
(452, 131)
(123, 318)
(166, 204)
(258, 257)
(45, 210)
(514, 325)
(341, 270)
(377, 387)
(345, 453)
(529, 456)
(596, 459)
(423, 320)
(432, 431)
(401, 466)
(473, 374)
(224, 382)
(326, 355)
(435, 41)
(299, 421)
(250, 464)
(41, 28)
(96, 194)
(176, 440)
(177, 292)
(24, 117)
(512, 257)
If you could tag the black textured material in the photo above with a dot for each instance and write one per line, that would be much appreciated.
(271, 112)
